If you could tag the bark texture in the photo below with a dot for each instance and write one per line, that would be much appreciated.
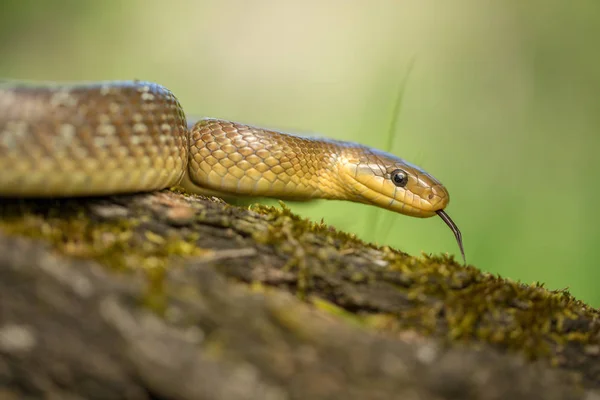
(173, 296)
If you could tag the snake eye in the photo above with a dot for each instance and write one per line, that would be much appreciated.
(399, 177)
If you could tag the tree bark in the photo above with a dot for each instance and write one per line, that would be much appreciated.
(174, 296)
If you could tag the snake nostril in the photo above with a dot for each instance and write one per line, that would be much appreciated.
(431, 195)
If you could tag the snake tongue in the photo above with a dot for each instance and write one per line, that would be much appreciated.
(455, 230)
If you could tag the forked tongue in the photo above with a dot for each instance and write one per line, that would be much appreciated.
(456, 231)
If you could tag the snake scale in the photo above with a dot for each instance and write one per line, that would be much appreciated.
(102, 138)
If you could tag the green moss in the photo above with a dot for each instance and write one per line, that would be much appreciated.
(447, 299)
(120, 244)
(482, 307)
(332, 309)
(294, 236)
(285, 224)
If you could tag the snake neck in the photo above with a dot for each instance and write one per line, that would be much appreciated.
(232, 158)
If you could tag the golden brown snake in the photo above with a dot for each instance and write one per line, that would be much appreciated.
(59, 140)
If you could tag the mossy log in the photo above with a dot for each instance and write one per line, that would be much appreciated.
(175, 296)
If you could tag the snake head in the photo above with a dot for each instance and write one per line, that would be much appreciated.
(378, 178)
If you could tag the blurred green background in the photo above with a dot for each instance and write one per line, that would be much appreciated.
(502, 104)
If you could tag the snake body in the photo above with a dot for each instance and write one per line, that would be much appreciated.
(104, 138)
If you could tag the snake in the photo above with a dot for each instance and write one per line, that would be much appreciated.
(117, 137)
